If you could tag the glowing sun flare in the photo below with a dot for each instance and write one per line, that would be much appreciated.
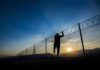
(69, 50)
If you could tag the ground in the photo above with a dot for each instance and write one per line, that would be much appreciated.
(50, 60)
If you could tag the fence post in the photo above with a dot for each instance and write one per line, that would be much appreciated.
(34, 52)
(26, 51)
(46, 46)
(81, 37)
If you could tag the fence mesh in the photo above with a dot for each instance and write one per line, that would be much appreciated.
(71, 41)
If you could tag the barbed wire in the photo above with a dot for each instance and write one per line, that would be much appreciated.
(89, 23)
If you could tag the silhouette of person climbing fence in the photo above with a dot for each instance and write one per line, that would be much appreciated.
(57, 38)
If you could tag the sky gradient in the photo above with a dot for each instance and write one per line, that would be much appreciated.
(26, 22)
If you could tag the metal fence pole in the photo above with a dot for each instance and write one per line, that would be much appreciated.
(81, 37)
(34, 51)
(46, 46)
(26, 51)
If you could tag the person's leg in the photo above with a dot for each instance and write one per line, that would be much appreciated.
(58, 50)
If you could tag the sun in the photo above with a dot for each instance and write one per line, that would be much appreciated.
(69, 50)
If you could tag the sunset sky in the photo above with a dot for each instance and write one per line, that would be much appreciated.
(26, 22)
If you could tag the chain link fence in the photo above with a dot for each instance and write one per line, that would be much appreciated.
(90, 33)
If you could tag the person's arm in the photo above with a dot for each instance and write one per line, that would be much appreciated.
(62, 34)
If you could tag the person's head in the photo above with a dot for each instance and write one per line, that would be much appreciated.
(57, 34)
